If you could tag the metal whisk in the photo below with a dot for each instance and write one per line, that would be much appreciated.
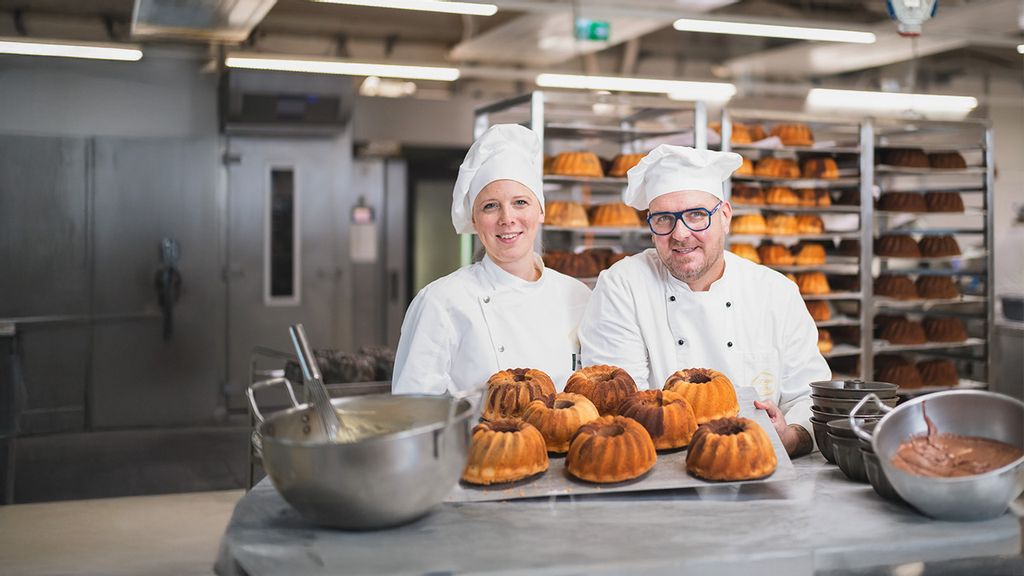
(329, 418)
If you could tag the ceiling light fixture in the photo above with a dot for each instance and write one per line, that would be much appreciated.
(63, 49)
(773, 31)
(1020, 49)
(471, 8)
(265, 62)
(888, 102)
(676, 89)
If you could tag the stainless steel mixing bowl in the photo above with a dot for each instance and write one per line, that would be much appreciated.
(964, 412)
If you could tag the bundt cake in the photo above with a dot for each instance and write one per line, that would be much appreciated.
(819, 310)
(615, 214)
(558, 417)
(943, 202)
(504, 451)
(747, 133)
(577, 164)
(781, 224)
(549, 164)
(794, 134)
(772, 167)
(746, 168)
(808, 254)
(811, 197)
(747, 196)
(774, 255)
(824, 341)
(812, 283)
(782, 196)
(809, 224)
(605, 386)
(937, 287)
(748, 224)
(623, 162)
(709, 392)
(821, 168)
(509, 391)
(897, 370)
(903, 331)
(666, 416)
(902, 202)
(945, 329)
(850, 197)
(745, 251)
(897, 245)
(610, 449)
(938, 372)
(568, 214)
(938, 246)
(731, 449)
(895, 286)
(905, 158)
(947, 161)
(582, 265)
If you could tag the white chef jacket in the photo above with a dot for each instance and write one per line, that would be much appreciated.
(751, 325)
(461, 329)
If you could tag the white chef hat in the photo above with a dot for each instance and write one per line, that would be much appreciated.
(670, 168)
(504, 152)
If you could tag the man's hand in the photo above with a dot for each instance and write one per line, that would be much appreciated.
(795, 439)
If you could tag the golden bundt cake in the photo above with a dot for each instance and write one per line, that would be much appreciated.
(666, 416)
(821, 168)
(809, 254)
(897, 245)
(509, 391)
(615, 214)
(748, 224)
(905, 157)
(794, 134)
(937, 287)
(938, 246)
(558, 417)
(549, 164)
(610, 449)
(741, 133)
(819, 310)
(895, 286)
(943, 202)
(605, 386)
(577, 164)
(623, 162)
(568, 214)
(812, 283)
(709, 392)
(945, 329)
(504, 451)
(902, 202)
(774, 255)
(745, 169)
(731, 449)
(897, 370)
(903, 331)
(772, 167)
(745, 251)
(824, 341)
(782, 196)
(809, 224)
(812, 197)
(938, 372)
(747, 196)
(947, 161)
(781, 224)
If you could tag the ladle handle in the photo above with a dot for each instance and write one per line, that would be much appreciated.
(860, 432)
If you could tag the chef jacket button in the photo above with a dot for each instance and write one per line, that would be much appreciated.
(681, 341)
(672, 298)
(487, 299)
(502, 348)
(728, 304)
(729, 344)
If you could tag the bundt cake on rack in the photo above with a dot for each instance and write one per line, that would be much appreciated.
(772, 167)
(947, 161)
(897, 246)
(509, 392)
(610, 449)
(709, 392)
(937, 287)
(796, 134)
(903, 331)
(774, 254)
(566, 214)
(897, 370)
(585, 164)
(902, 202)
(812, 283)
(605, 386)
(938, 246)
(747, 196)
(944, 201)
(945, 329)
(782, 196)
(616, 215)
(558, 417)
(808, 254)
(622, 163)
(748, 224)
(745, 251)
(819, 310)
(731, 449)
(809, 224)
(781, 224)
(821, 168)
(938, 372)
(666, 416)
(504, 451)
(895, 286)
(905, 158)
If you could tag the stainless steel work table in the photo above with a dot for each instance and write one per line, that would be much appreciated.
(819, 521)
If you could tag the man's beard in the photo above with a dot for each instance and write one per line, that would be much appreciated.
(685, 272)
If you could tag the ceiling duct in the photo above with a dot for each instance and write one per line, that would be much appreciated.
(217, 20)
(282, 103)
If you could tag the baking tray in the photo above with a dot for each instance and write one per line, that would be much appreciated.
(668, 473)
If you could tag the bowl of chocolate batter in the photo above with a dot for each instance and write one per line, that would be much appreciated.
(954, 455)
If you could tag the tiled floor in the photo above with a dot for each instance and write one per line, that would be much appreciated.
(169, 535)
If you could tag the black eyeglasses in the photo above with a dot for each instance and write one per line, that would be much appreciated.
(696, 219)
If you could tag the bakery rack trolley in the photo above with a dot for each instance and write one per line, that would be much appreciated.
(847, 220)
(606, 124)
(972, 228)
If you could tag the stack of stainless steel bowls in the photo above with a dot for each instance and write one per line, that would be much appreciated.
(833, 400)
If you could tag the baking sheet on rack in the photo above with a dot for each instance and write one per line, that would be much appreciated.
(669, 472)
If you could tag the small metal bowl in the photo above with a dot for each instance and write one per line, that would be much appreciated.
(842, 427)
(876, 476)
(853, 389)
(821, 437)
(843, 406)
(848, 457)
(824, 416)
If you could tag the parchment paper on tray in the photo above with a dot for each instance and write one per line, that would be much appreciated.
(668, 473)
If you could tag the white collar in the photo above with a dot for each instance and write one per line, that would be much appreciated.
(502, 279)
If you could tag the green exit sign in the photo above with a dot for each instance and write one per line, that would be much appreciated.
(587, 29)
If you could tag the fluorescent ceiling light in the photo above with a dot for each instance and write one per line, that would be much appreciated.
(342, 67)
(89, 50)
(423, 5)
(676, 89)
(823, 98)
(773, 31)
(1020, 49)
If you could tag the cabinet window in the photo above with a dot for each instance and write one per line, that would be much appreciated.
(282, 256)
